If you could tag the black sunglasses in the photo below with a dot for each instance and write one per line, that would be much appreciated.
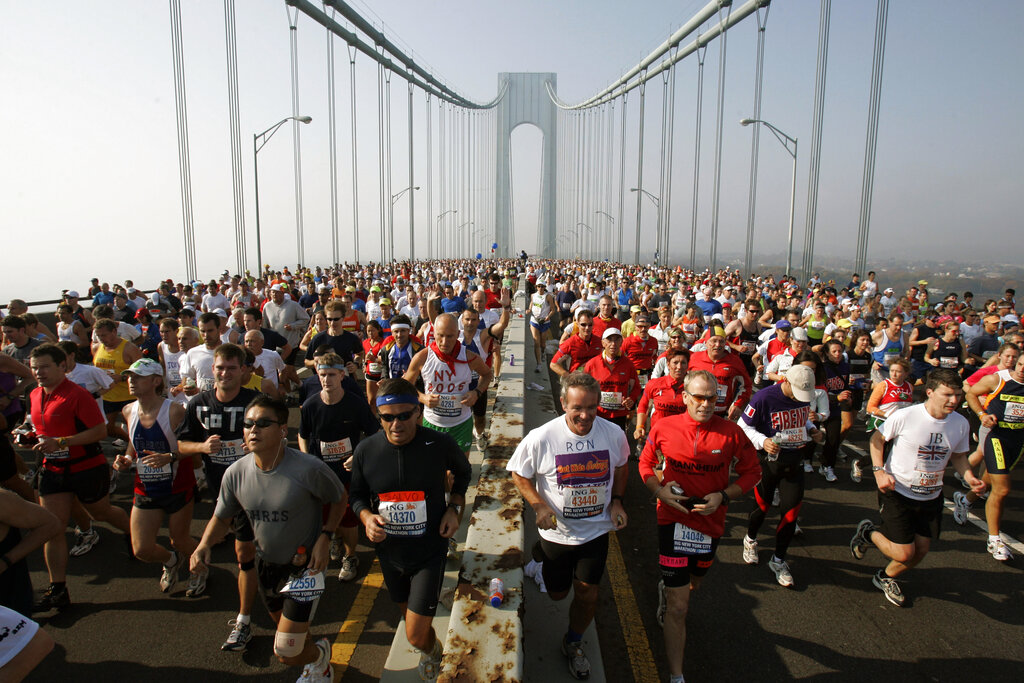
(262, 422)
(401, 417)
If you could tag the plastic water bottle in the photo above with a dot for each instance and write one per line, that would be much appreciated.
(497, 592)
(512, 359)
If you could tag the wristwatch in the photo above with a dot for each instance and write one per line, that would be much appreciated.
(877, 468)
(456, 507)
(725, 498)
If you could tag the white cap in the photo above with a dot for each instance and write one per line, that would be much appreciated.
(799, 334)
(611, 332)
(276, 288)
(801, 381)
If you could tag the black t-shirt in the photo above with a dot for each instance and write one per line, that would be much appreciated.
(339, 427)
(565, 300)
(272, 340)
(346, 345)
(923, 332)
(207, 416)
(412, 476)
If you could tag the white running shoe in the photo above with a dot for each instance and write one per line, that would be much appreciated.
(196, 584)
(998, 549)
(84, 541)
(430, 662)
(662, 603)
(856, 473)
(782, 573)
(961, 508)
(827, 472)
(169, 576)
(749, 551)
(349, 568)
(319, 671)
(808, 467)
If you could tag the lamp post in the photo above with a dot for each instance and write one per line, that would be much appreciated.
(438, 225)
(256, 147)
(610, 232)
(589, 229)
(459, 230)
(391, 221)
(785, 140)
(657, 205)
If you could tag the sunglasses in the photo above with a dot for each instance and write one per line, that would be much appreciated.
(333, 320)
(401, 417)
(262, 422)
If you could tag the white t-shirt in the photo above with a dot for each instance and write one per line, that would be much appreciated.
(574, 475)
(922, 448)
(272, 364)
(198, 364)
(93, 380)
(212, 302)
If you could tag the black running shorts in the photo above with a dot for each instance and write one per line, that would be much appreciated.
(677, 557)
(563, 563)
(420, 587)
(904, 518)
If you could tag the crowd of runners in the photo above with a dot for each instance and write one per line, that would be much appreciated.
(717, 383)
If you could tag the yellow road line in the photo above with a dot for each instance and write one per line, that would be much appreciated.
(641, 659)
(351, 630)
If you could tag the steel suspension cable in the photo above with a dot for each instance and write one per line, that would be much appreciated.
(293, 41)
(659, 249)
(231, 51)
(640, 174)
(622, 174)
(332, 137)
(666, 197)
(871, 144)
(811, 217)
(429, 180)
(696, 155)
(755, 139)
(184, 163)
(355, 154)
(723, 17)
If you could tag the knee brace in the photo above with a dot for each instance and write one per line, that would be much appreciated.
(289, 644)
(247, 565)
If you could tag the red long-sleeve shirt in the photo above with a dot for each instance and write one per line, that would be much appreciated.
(666, 396)
(697, 457)
(618, 381)
(578, 350)
(734, 383)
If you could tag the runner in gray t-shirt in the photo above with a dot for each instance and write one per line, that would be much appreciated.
(282, 491)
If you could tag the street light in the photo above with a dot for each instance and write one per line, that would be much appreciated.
(785, 140)
(256, 147)
(657, 205)
(438, 223)
(391, 220)
(458, 230)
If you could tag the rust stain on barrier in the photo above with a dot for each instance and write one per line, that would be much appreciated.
(510, 559)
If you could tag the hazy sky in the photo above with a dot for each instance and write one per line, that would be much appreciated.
(90, 162)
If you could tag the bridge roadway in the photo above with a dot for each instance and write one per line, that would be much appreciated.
(964, 618)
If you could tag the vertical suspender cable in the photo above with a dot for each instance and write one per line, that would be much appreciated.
(442, 197)
(659, 240)
(719, 131)
(355, 154)
(755, 140)
(380, 160)
(332, 136)
(701, 51)
(871, 144)
(666, 196)
(622, 175)
(293, 39)
(231, 51)
(811, 218)
(596, 237)
(640, 169)
(388, 191)
(584, 217)
(429, 182)
(412, 193)
(184, 164)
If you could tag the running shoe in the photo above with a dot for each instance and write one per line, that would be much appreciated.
(961, 508)
(998, 550)
(662, 603)
(453, 549)
(196, 584)
(169, 577)
(337, 549)
(239, 637)
(120, 443)
(319, 671)
(776, 498)
(827, 472)
(749, 551)
(84, 541)
(430, 662)
(349, 568)
(579, 665)
(860, 543)
(960, 478)
(797, 531)
(888, 586)
(53, 598)
(856, 473)
(808, 467)
(781, 571)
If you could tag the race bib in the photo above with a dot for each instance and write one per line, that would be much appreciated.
(336, 451)
(229, 452)
(611, 400)
(449, 405)
(749, 347)
(580, 502)
(375, 368)
(690, 542)
(723, 394)
(405, 512)
(792, 437)
(644, 378)
(59, 455)
(1014, 412)
(924, 482)
(949, 362)
(889, 357)
(306, 587)
(149, 474)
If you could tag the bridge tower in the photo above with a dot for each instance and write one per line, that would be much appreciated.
(526, 100)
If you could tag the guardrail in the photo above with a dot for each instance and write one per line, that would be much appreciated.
(485, 643)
